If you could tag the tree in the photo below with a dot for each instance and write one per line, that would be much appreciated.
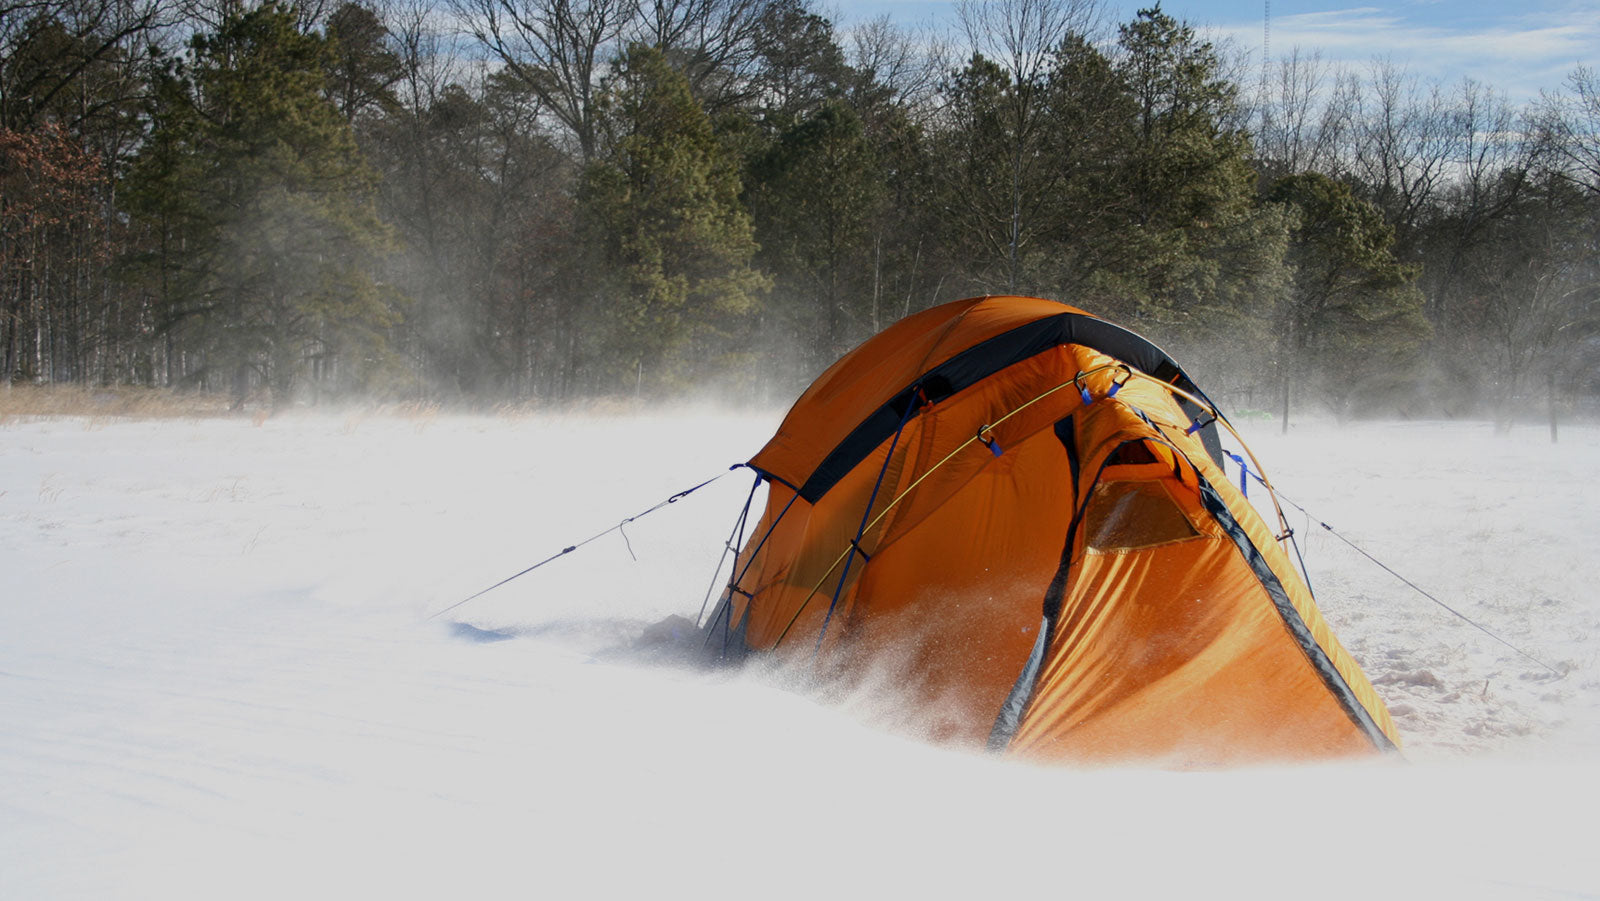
(64, 60)
(363, 70)
(1574, 118)
(1020, 37)
(891, 81)
(902, 68)
(1090, 113)
(50, 230)
(663, 202)
(816, 196)
(1190, 252)
(1536, 294)
(1352, 310)
(1305, 117)
(71, 82)
(975, 152)
(264, 212)
(557, 48)
(714, 43)
(799, 64)
(1402, 148)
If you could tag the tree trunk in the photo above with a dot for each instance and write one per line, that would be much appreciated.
(1550, 385)
(241, 385)
(1286, 366)
(1286, 380)
(13, 340)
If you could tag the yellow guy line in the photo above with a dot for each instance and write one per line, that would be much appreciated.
(1217, 416)
(910, 488)
(1076, 380)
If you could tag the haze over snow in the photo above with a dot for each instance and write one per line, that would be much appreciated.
(217, 679)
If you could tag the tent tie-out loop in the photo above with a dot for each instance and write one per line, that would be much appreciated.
(1127, 375)
(1083, 389)
(1116, 384)
(625, 542)
(1244, 473)
(601, 534)
(1197, 425)
(987, 439)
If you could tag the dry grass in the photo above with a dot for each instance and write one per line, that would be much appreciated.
(101, 404)
(45, 401)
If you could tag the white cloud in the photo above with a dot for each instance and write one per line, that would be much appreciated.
(1519, 54)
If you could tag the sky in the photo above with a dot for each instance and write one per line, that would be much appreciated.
(1519, 48)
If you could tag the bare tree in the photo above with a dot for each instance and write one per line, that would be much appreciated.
(906, 64)
(1305, 118)
(556, 47)
(1022, 36)
(49, 48)
(1492, 155)
(712, 42)
(1538, 293)
(1402, 145)
(1574, 120)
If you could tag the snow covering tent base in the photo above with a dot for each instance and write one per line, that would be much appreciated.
(1017, 513)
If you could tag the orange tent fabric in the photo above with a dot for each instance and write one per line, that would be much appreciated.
(1015, 512)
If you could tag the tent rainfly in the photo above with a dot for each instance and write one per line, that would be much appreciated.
(1017, 513)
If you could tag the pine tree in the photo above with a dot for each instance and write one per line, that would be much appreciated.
(817, 192)
(263, 208)
(663, 202)
(1351, 303)
(1194, 253)
(362, 71)
(975, 151)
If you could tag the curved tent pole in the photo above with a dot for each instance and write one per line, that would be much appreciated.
(736, 575)
(975, 439)
(855, 543)
(732, 544)
(1075, 382)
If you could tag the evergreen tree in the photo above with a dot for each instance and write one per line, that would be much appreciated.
(1088, 112)
(817, 193)
(362, 70)
(663, 202)
(264, 208)
(976, 149)
(1352, 309)
(799, 63)
(1193, 253)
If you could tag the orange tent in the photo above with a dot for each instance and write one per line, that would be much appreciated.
(1016, 513)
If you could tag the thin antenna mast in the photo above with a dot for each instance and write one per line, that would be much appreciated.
(1266, 48)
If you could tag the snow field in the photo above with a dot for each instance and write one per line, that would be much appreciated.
(218, 679)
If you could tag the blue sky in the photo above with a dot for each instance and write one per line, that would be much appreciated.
(1519, 47)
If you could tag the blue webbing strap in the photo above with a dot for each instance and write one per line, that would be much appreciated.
(1244, 473)
(866, 515)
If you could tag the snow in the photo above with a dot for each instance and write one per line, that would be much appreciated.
(219, 678)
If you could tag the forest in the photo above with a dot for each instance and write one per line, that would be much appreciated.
(507, 202)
